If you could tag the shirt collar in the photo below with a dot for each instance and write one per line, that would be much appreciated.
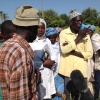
(40, 39)
(69, 31)
(23, 43)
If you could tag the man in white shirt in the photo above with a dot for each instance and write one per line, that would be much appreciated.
(96, 47)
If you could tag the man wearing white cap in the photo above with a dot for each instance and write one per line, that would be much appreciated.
(76, 48)
(17, 76)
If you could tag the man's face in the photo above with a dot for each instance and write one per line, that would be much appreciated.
(77, 22)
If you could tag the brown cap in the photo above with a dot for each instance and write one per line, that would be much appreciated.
(26, 16)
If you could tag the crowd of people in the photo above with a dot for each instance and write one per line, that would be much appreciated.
(36, 61)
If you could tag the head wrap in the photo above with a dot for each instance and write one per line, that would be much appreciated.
(73, 14)
(58, 29)
(92, 27)
(51, 31)
(44, 22)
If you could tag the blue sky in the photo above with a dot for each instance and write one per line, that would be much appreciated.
(60, 6)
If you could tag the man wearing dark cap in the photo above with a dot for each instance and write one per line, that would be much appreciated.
(76, 48)
(17, 76)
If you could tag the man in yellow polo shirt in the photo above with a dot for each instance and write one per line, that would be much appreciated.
(76, 48)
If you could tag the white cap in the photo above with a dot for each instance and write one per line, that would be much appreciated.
(73, 13)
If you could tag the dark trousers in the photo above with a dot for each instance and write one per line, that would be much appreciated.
(97, 84)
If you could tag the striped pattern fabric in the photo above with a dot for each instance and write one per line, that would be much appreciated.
(17, 77)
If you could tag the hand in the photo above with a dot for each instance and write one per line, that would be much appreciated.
(75, 53)
(82, 34)
(65, 43)
(48, 63)
(64, 96)
(90, 32)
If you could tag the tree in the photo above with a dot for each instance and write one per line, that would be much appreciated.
(65, 18)
(98, 22)
(52, 18)
(90, 16)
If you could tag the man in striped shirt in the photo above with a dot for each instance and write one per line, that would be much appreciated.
(17, 76)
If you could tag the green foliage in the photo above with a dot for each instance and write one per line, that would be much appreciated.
(52, 19)
(65, 18)
(91, 16)
(98, 22)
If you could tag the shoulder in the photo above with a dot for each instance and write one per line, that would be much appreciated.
(65, 31)
(14, 46)
(11, 49)
(32, 44)
(48, 41)
(95, 36)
